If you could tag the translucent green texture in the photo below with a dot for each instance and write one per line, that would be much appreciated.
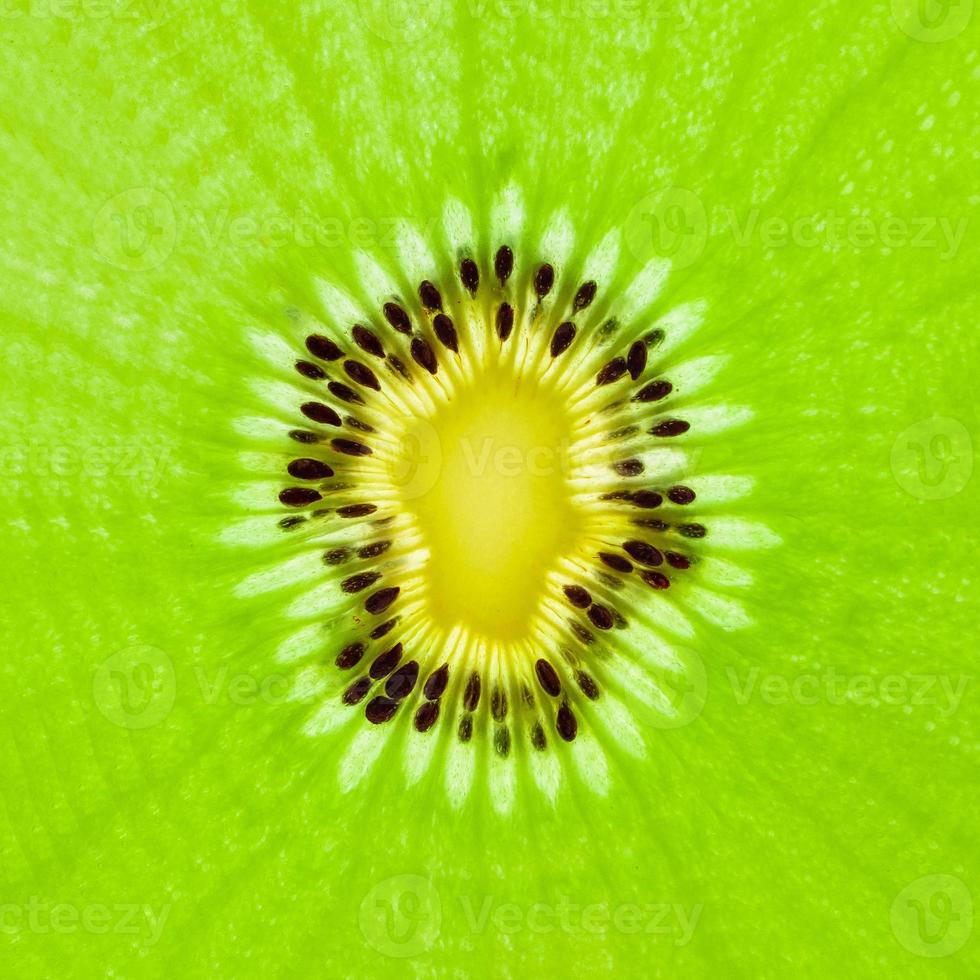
(174, 175)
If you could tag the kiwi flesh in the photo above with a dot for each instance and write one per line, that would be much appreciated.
(501, 506)
(772, 777)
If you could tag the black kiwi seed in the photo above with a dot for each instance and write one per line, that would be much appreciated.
(402, 681)
(290, 522)
(692, 530)
(577, 596)
(498, 704)
(584, 636)
(646, 499)
(505, 320)
(336, 557)
(298, 496)
(670, 427)
(310, 371)
(446, 332)
(563, 337)
(584, 296)
(350, 448)
(654, 391)
(318, 412)
(398, 366)
(471, 696)
(424, 355)
(309, 469)
(379, 601)
(323, 347)
(384, 629)
(350, 656)
(345, 393)
(610, 372)
(380, 709)
(469, 274)
(651, 522)
(616, 562)
(359, 582)
(588, 685)
(680, 495)
(544, 279)
(617, 495)
(465, 728)
(676, 560)
(636, 359)
(397, 317)
(386, 662)
(643, 553)
(430, 296)
(304, 436)
(527, 695)
(655, 579)
(501, 742)
(537, 737)
(426, 716)
(628, 467)
(367, 340)
(503, 263)
(566, 724)
(600, 617)
(357, 690)
(374, 549)
(436, 683)
(362, 374)
(548, 678)
(356, 510)
(355, 423)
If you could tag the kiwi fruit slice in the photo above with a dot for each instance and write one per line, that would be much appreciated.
(489, 490)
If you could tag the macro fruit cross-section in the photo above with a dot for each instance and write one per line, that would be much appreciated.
(499, 472)
(489, 488)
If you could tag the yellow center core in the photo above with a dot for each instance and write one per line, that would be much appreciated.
(493, 503)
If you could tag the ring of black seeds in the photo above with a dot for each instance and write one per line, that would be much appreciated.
(402, 680)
